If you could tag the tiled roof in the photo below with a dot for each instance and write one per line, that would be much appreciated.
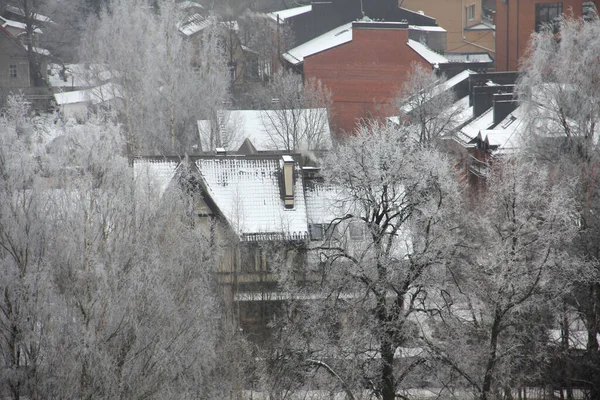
(153, 175)
(247, 192)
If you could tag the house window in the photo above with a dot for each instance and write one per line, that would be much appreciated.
(13, 71)
(249, 258)
(589, 11)
(471, 12)
(547, 14)
(316, 231)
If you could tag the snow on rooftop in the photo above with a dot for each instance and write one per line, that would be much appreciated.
(264, 129)
(18, 25)
(289, 13)
(507, 135)
(328, 40)
(77, 75)
(38, 50)
(441, 88)
(429, 55)
(483, 122)
(19, 11)
(96, 95)
(321, 201)
(194, 24)
(426, 28)
(153, 176)
(247, 191)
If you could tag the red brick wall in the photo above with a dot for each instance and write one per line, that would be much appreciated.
(364, 75)
(512, 36)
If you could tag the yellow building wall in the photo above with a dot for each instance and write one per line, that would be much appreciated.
(452, 15)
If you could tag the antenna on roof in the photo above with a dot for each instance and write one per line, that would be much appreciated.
(362, 11)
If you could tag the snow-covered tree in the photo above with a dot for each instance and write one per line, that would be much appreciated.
(426, 105)
(509, 279)
(392, 204)
(165, 81)
(297, 121)
(560, 89)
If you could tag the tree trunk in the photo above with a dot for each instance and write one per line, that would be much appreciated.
(487, 380)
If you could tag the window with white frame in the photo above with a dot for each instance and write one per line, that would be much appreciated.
(12, 70)
(471, 12)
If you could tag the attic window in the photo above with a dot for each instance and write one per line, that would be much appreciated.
(12, 71)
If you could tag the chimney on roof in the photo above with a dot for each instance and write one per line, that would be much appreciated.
(288, 181)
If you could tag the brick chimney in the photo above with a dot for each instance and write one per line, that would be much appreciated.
(288, 181)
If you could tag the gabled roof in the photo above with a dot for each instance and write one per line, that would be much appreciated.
(36, 16)
(247, 192)
(289, 13)
(262, 128)
(483, 122)
(7, 23)
(153, 175)
(429, 55)
(441, 88)
(328, 40)
(194, 24)
(13, 40)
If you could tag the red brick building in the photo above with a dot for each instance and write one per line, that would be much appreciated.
(364, 65)
(516, 20)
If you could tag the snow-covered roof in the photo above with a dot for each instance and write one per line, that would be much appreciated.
(429, 55)
(321, 203)
(263, 128)
(441, 88)
(248, 193)
(326, 41)
(289, 13)
(481, 27)
(507, 136)
(194, 24)
(153, 176)
(483, 122)
(426, 28)
(95, 95)
(19, 11)
(38, 50)
(78, 75)
(17, 25)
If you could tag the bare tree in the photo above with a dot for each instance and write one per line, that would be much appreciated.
(166, 83)
(559, 88)
(427, 105)
(295, 112)
(510, 279)
(392, 202)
